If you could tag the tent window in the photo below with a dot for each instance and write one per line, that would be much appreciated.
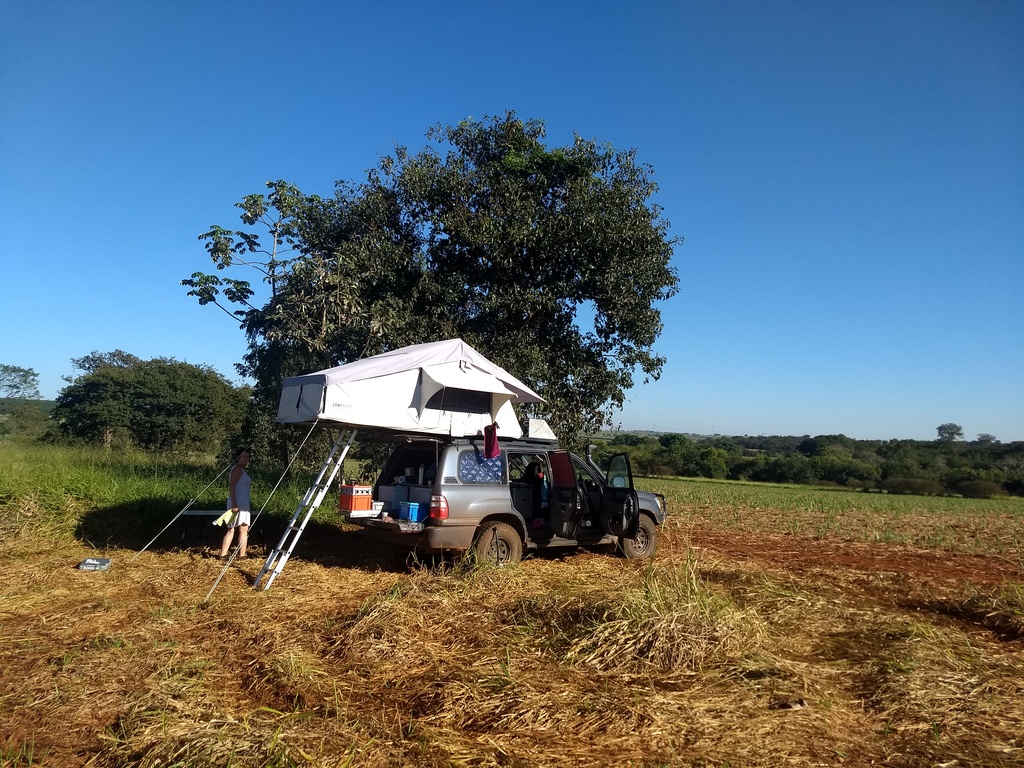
(462, 400)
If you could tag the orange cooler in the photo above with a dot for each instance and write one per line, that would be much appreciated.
(355, 498)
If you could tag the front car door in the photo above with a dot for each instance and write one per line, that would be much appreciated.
(620, 505)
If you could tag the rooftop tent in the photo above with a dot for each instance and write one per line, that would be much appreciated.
(440, 388)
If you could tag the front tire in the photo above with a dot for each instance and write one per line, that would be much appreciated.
(498, 544)
(645, 542)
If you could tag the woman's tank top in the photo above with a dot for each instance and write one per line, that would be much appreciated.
(242, 495)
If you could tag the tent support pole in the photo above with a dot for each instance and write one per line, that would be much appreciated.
(182, 512)
(273, 490)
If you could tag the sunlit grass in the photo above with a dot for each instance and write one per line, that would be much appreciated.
(61, 488)
(992, 526)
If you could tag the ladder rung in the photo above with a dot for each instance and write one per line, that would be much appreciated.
(310, 503)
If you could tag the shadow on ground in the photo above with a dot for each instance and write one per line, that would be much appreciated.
(158, 524)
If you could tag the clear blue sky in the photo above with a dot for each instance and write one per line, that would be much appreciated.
(848, 178)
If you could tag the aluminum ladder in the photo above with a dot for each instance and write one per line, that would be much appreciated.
(310, 503)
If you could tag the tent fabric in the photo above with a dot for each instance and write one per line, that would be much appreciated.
(392, 391)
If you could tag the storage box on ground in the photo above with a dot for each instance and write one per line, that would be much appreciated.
(412, 511)
(355, 498)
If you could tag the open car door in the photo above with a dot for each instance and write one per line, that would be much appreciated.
(565, 501)
(620, 506)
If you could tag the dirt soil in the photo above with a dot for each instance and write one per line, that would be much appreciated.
(804, 555)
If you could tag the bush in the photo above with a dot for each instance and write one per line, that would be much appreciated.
(662, 471)
(915, 486)
(979, 489)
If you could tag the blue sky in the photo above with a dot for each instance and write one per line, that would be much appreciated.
(848, 178)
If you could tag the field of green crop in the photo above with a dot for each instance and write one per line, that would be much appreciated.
(978, 526)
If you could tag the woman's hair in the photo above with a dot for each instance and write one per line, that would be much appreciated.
(238, 453)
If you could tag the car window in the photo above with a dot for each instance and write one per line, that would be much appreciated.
(474, 468)
(519, 465)
(585, 476)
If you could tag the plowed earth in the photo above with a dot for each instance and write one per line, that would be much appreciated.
(803, 555)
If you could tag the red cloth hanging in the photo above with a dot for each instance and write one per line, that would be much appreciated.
(491, 449)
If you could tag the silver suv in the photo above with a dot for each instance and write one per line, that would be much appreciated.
(438, 495)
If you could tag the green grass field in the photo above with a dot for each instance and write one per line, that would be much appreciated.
(977, 526)
(144, 489)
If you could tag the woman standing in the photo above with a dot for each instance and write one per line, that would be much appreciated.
(239, 503)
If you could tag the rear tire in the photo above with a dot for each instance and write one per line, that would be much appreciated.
(645, 542)
(498, 544)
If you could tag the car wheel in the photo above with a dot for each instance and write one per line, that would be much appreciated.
(498, 544)
(645, 541)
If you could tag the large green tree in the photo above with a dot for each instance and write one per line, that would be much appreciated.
(155, 404)
(550, 261)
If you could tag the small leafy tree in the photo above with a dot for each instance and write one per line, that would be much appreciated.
(949, 432)
(18, 414)
(21, 383)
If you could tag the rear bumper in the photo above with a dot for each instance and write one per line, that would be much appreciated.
(433, 538)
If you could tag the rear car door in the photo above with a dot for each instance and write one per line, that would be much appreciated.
(620, 505)
(565, 501)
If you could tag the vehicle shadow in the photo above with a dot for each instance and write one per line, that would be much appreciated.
(157, 525)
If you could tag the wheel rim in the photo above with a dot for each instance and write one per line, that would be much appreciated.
(499, 551)
(642, 540)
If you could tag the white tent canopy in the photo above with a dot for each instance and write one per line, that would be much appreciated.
(440, 388)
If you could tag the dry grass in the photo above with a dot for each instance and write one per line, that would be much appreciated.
(582, 660)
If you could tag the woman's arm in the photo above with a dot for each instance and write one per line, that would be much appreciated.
(236, 475)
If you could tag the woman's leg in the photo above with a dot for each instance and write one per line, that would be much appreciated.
(243, 539)
(225, 543)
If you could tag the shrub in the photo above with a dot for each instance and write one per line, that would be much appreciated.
(979, 489)
(916, 486)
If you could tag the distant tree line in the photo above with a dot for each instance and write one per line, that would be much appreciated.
(163, 404)
(20, 410)
(983, 467)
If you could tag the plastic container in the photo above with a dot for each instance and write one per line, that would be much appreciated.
(412, 511)
(355, 498)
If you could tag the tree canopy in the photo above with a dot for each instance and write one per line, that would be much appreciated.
(158, 404)
(985, 467)
(949, 432)
(16, 382)
(19, 411)
(550, 261)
